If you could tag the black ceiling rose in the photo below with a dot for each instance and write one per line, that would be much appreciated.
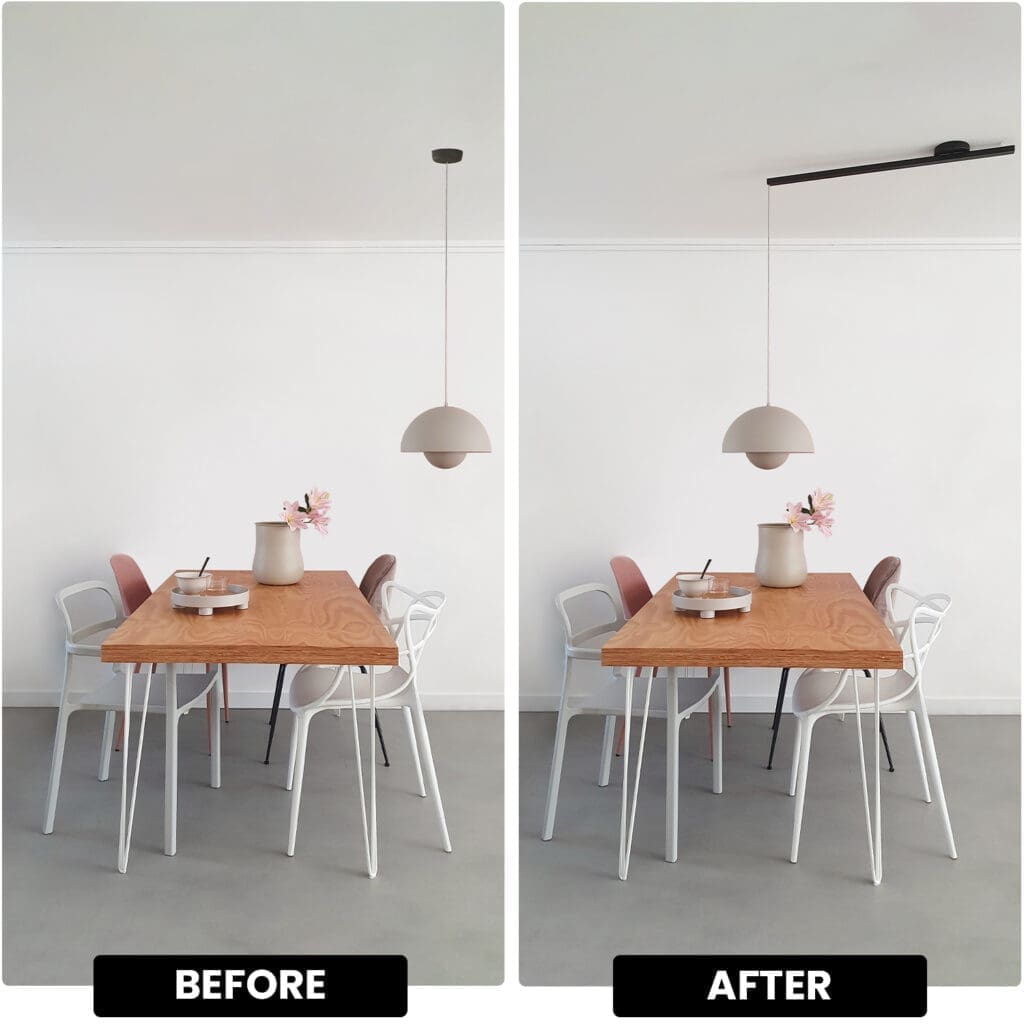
(944, 153)
(446, 156)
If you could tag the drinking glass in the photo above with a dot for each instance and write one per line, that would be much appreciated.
(719, 586)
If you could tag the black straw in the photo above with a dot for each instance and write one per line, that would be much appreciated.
(705, 569)
(204, 565)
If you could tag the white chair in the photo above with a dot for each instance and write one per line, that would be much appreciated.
(317, 688)
(821, 692)
(583, 643)
(123, 691)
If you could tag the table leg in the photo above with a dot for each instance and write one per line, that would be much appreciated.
(128, 808)
(672, 767)
(874, 821)
(719, 755)
(776, 721)
(877, 864)
(170, 760)
(626, 830)
(372, 673)
(273, 711)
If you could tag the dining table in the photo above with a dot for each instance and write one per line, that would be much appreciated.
(321, 620)
(826, 622)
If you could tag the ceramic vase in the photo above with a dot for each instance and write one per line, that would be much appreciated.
(278, 557)
(780, 556)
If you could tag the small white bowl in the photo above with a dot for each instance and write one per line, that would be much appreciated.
(192, 582)
(691, 585)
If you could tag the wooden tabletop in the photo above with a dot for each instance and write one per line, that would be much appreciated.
(826, 623)
(322, 619)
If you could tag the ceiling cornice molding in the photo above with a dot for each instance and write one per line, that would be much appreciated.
(682, 245)
(239, 247)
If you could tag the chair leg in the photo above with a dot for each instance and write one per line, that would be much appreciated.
(916, 737)
(933, 763)
(728, 697)
(778, 715)
(302, 732)
(796, 755)
(555, 776)
(227, 707)
(711, 729)
(801, 786)
(292, 746)
(215, 693)
(414, 747)
(716, 756)
(607, 746)
(120, 732)
(620, 736)
(56, 763)
(380, 740)
(106, 745)
(431, 774)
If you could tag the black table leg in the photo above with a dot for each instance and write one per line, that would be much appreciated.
(273, 710)
(881, 729)
(778, 715)
(380, 740)
(380, 732)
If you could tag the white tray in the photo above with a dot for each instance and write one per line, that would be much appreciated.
(236, 597)
(738, 600)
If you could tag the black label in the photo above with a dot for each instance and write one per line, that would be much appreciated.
(250, 986)
(770, 986)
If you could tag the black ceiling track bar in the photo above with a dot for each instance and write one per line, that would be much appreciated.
(945, 153)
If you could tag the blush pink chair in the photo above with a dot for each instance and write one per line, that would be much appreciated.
(133, 588)
(635, 592)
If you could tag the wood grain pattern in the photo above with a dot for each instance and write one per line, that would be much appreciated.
(322, 619)
(826, 623)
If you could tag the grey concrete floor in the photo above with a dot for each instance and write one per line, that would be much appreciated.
(231, 888)
(733, 889)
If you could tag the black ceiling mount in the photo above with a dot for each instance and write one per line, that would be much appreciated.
(446, 156)
(945, 153)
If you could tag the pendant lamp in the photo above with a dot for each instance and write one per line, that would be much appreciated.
(445, 433)
(769, 434)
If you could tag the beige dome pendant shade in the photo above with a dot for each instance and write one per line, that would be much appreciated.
(768, 434)
(445, 434)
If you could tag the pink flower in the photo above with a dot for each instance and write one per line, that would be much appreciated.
(295, 519)
(823, 501)
(319, 501)
(823, 521)
(797, 518)
(320, 524)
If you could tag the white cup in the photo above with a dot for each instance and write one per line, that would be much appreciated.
(691, 585)
(192, 582)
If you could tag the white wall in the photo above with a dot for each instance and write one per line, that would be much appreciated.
(904, 361)
(160, 402)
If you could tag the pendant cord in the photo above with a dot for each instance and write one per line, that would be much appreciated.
(768, 307)
(445, 203)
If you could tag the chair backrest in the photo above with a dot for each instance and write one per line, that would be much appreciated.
(919, 628)
(575, 636)
(381, 570)
(885, 573)
(130, 582)
(413, 628)
(633, 588)
(76, 631)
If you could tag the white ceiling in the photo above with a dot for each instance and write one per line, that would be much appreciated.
(663, 120)
(250, 121)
